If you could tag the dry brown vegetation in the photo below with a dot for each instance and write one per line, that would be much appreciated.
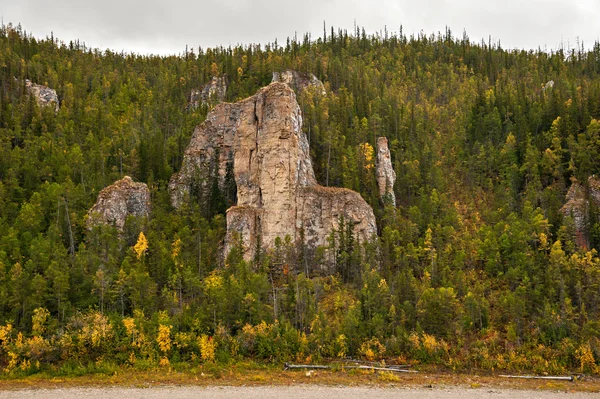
(256, 375)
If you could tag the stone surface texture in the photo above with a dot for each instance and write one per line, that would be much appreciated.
(211, 147)
(304, 389)
(594, 187)
(45, 96)
(549, 85)
(300, 81)
(386, 176)
(210, 94)
(577, 206)
(118, 201)
(277, 193)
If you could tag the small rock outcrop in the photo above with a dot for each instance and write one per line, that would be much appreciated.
(594, 186)
(45, 96)
(277, 193)
(211, 93)
(300, 81)
(549, 85)
(386, 176)
(578, 205)
(118, 201)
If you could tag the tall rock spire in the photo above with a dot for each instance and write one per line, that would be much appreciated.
(386, 177)
(277, 193)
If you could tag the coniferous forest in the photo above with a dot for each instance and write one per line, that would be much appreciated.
(475, 268)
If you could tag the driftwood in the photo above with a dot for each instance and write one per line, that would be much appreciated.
(542, 377)
(288, 366)
(396, 369)
(377, 364)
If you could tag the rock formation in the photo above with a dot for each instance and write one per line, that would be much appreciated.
(549, 85)
(386, 176)
(300, 81)
(211, 93)
(577, 206)
(118, 201)
(277, 193)
(211, 147)
(594, 187)
(45, 96)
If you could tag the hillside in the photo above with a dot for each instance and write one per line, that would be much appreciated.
(477, 265)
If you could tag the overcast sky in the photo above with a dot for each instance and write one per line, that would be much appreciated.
(166, 27)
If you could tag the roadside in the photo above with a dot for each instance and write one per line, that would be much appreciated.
(289, 392)
(256, 376)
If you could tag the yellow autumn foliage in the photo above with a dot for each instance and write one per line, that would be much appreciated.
(214, 281)
(129, 324)
(175, 251)
(13, 361)
(372, 349)
(38, 321)
(368, 155)
(164, 338)
(5, 335)
(164, 362)
(587, 363)
(207, 348)
(141, 246)
(341, 345)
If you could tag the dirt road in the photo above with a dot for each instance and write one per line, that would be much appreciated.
(288, 392)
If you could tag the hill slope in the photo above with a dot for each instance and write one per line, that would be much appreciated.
(476, 266)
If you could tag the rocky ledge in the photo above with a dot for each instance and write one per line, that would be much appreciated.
(300, 81)
(45, 96)
(118, 201)
(211, 93)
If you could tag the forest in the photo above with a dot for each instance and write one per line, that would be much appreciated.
(475, 268)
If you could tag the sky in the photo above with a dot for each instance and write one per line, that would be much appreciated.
(166, 27)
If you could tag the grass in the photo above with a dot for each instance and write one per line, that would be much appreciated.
(256, 374)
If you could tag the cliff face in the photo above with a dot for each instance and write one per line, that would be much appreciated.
(299, 81)
(118, 201)
(45, 96)
(277, 193)
(211, 93)
(594, 186)
(320, 209)
(211, 148)
(386, 176)
(577, 206)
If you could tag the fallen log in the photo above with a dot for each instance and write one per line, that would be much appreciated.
(288, 366)
(394, 369)
(376, 364)
(541, 377)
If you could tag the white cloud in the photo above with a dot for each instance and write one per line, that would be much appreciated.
(166, 27)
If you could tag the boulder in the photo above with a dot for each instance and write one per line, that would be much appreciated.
(118, 201)
(549, 85)
(45, 96)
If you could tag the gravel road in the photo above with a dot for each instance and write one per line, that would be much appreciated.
(288, 392)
